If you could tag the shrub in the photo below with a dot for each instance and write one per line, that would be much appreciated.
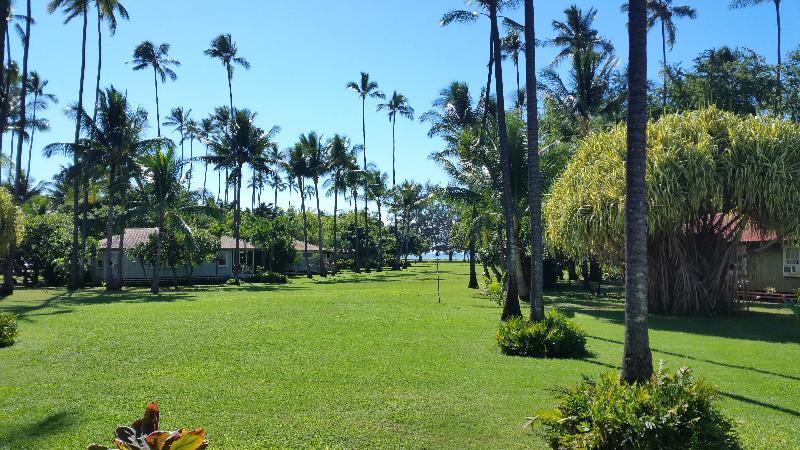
(673, 411)
(554, 337)
(145, 435)
(270, 278)
(8, 329)
(495, 292)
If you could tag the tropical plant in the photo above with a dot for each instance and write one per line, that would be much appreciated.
(673, 411)
(378, 190)
(145, 435)
(397, 105)
(146, 55)
(41, 99)
(179, 119)
(73, 9)
(319, 166)
(554, 336)
(365, 88)
(8, 329)
(300, 168)
(12, 230)
(107, 11)
(340, 161)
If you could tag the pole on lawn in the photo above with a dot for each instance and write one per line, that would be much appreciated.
(438, 290)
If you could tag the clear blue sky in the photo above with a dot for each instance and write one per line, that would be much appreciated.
(303, 54)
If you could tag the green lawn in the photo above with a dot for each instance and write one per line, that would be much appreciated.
(357, 361)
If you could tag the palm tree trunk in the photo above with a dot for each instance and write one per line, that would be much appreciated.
(664, 55)
(74, 269)
(379, 263)
(335, 215)
(7, 94)
(534, 176)
(158, 110)
(779, 99)
(394, 122)
(473, 276)
(155, 288)
(357, 259)
(121, 246)
(237, 211)
(5, 10)
(33, 133)
(191, 164)
(108, 273)
(323, 271)
(205, 175)
(305, 226)
(511, 306)
(637, 362)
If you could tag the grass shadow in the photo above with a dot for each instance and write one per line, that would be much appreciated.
(52, 424)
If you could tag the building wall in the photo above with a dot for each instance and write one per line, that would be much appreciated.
(765, 270)
(133, 270)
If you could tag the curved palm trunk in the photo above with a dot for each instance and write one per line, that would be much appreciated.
(534, 176)
(108, 272)
(155, 288)
(33, 134)
(637, 361)
(511, 306)
(779, 99)
(323, 271)
(379, 263)
(74, 269)
(237, 219)
(357, 259)
(305, 227)
(158, 110)
(473, 276)
(335, 215)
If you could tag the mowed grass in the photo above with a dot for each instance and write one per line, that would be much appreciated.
(355, 361)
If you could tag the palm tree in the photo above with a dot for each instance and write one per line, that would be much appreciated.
(192, 132)
(534, 175)
(41, 99)
(73, 9)
(146, 55)
(204, 135)
(244, 146)
(318, 166)
(637, 361)
(275, 159)
(398, 104)
(512, 46)
(340, 161)
(378, 189)
(735, 4)
(299, 168)
(179, 119)
(365, 88)
(354, 179)
(161, 179)
(107, 10)
(116, 146)
(577, 35)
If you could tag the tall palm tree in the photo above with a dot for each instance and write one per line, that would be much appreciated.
(146, 55)
(354, 179)
(364, 87)
(204, 135)
(275, 159)
(512, 47)
(179, 119)
(576, 35)
(244, 146)
(116, 145)
(225, 50)
(300, 169)
(637, 361)
(41, 99)
(663, 11)
(73, 9)
(534, 175)
(398, 104)
(735, 4)
(340, 160)
(318, 166)
(107, 10)
(192, 132)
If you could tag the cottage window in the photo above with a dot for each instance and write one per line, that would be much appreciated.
(222, 259)
(791, 260)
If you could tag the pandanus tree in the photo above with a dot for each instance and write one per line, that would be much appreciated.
(147, 55)
(299, 168)
(73, 9)
(116, 145)
(340, 161)
(364, 88)
(664, 13)
(736, 4)
(244, 146)
(37, 86)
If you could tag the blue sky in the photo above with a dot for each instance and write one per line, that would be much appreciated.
(303, 54)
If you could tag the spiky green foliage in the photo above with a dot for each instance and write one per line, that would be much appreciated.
(709, 175)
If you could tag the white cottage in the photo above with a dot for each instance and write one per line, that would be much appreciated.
(133, 272)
